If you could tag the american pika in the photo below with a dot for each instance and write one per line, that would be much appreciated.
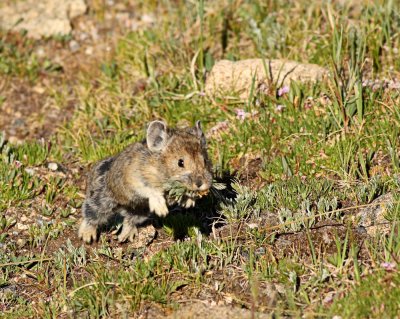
(134, 183)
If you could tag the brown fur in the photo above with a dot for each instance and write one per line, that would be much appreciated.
(133, 183)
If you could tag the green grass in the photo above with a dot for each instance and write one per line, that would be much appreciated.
(333, 148)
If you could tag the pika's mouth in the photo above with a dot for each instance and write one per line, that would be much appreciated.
(195, 193)
(179, 190)
(200, 194)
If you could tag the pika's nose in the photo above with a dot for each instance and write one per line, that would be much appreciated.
(199, 182)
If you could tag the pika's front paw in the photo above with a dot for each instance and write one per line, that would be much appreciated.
(158, 206)
(128, 232)
(87, 232)
(189, 203)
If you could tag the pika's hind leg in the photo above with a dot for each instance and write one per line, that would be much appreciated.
(129, 231)
(129, 225)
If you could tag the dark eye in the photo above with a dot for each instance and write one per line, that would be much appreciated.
(181, 163)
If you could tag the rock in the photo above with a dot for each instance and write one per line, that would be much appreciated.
(41, 18)
(228, 78)
(8, 292)
(252, 225)
(40, 52)
(145, 237)
(21, 226)
(21, 242)
(52, 166)
(74, 46)
(30, 171)
(15, 140)
(39, 89)
(372, 218)
(89, 51)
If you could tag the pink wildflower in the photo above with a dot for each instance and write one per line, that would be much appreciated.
(283, 90)
(240, 114)
(279, 108)
(388, 266)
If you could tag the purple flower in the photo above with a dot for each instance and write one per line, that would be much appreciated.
(279, 108)
(283, 90)
(388, 266)
(240, 114)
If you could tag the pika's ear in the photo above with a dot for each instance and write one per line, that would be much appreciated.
(199, 133)
(156, 136)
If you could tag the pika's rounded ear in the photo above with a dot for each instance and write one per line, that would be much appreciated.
(199, 133)
(156, 136)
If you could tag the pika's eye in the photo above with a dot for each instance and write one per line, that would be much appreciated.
(181, 163)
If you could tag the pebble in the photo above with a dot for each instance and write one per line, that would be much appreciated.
(74, 46)
(14, 140)
(260, 251)
(19, 122)
(52, 166)
(40, 52)
(7, 291)
(148, 18)
(21, 242)
(30, 171)
(83, 36)
(22, 226)
(24, 218)
(252, 225)
(89, 51)
(39, 89)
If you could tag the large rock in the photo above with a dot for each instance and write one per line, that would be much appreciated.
(236, 78)
(41, 18)
(372, 217)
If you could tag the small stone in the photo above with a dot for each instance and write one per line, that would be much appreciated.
(145, 237)
(21, 226)
(83, 36)
(30, 171)
(21, 242)
(40, 52)
(89, 51)
(122, 17)
(252, 225)
(39, 89)
(14, 140)
(260, 251)
(24, 218)
(52, 166)
(372, 218)
(148, 18)
(74, 46)
(19, 122)
(8, 292)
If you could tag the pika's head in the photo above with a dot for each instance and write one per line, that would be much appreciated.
(182, 155)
